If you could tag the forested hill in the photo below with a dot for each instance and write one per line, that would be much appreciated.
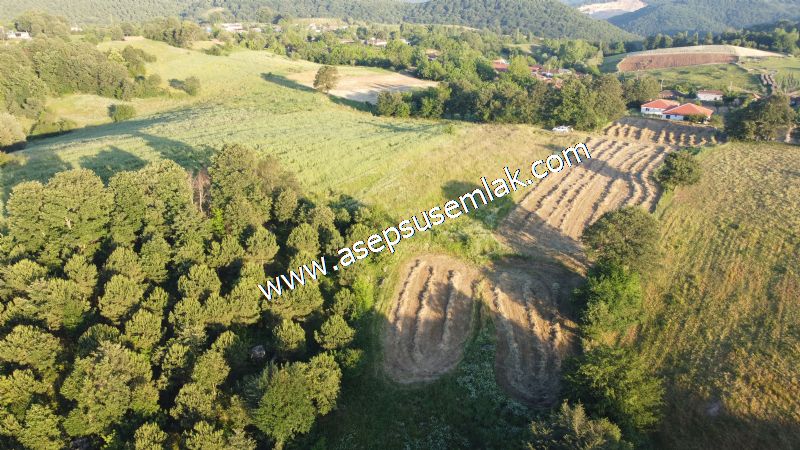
(670, 16)
(547, 18)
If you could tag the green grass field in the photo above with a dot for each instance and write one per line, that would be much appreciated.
(399, 165)
(722, 308)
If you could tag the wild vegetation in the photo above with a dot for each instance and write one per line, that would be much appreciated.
(130, 251)
(139, 314)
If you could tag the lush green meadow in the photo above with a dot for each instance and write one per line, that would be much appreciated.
(398, 165)
(722, 307)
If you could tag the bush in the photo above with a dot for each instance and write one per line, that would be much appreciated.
(119, 112)
(613, 299)
(614, 383)
(626, 237)
(679, 169)
(190, 85)
(393, 104)
(326, 78)
(11, 132)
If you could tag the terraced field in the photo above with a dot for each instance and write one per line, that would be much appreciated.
(430, 320)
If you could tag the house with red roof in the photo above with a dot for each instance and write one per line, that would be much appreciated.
(500, 65)
(686, 110)
(657, 107)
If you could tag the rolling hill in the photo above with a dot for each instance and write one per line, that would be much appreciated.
(670, 16)
(546, 18)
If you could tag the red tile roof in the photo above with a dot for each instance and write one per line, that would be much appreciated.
(500, 66)
(689, 109)
(660, 104)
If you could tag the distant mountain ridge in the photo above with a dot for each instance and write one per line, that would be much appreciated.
(672, 16)
(546, 18)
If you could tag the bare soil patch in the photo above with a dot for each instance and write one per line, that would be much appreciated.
(366, 87)
(646, 62)
(534, 335)
(431, 318)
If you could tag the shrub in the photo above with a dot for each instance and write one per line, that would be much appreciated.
(11, 132)
(613, 298)
(393, 104)
(119, 112)
(626, 237)
(614, 383)
(326, 78)
(192, 86)
(679, 169)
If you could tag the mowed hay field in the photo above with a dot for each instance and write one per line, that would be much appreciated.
(358, 85)
(723, 307)
(402, 166)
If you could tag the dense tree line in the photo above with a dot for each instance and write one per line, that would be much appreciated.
(131, 315)
(761, 120)
(609, 379)
(782, 37)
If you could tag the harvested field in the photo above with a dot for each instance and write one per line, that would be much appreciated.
(553, 215)
(646, 62)
(533, 335)
(366, 85)
(430, 320)
(689, 56)
(660, 132)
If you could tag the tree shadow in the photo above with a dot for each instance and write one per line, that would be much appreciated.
(106, 163)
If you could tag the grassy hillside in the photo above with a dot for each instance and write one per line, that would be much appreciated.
(399, 165)
(669, 16)
(722, 320)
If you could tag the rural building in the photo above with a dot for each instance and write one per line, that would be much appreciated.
(710, 95)
(669, 94)
(234, 27)
(24, 35)
(686, 110)
(500, 65)
(657, 107)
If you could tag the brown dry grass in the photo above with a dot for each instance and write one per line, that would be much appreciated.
(646, 62)
(430, 319)
(364, 86)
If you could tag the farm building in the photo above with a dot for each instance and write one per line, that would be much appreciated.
(24, 35)
(669, 94)
(657, 107)
(686, 110)
(500, 65)
(234, 27)
(710, 95)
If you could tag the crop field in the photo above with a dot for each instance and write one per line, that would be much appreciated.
(722, 307)
(365, 87)
(431, 320)
(688, 56)
(552, 216)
